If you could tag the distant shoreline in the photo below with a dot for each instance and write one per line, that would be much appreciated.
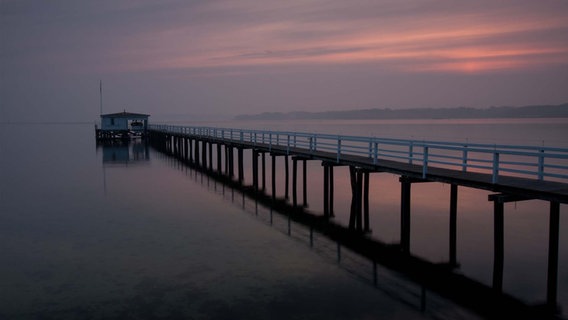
(537, 111)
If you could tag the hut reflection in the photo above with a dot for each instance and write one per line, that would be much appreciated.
(124, 152)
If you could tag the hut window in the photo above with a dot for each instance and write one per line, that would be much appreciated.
(112, 121)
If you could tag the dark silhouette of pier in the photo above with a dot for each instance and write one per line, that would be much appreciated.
(212, 151)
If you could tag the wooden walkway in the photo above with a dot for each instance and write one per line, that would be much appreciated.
(521, 188)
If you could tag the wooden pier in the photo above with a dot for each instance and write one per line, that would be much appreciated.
(511, 173)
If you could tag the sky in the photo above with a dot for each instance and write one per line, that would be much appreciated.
(176, 58)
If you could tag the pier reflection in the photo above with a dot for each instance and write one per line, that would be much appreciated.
(124, 152)
(422, 284)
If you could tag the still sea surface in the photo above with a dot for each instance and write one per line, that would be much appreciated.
(99, 232)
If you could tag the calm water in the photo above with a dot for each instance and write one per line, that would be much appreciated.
(84, 234)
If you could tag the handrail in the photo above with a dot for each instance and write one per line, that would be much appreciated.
(536, 162)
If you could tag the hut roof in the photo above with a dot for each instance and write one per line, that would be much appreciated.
(124, 114)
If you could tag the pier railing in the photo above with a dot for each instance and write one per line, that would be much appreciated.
(535, 162)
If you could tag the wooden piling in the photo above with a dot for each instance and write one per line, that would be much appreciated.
(210, 155)
(305, 179)
(498, 245)
(453, 224)
(405, 214)
(204, 154)
(287, 175)
(263, 171)
(219, 158)
(196, 148)
(231, 162)
(366, 202)
(294, 181)
(552, 275)
(273, 176)
(255, 169)
(325, 190)
(240, 164)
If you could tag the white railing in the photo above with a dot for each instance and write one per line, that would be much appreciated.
(541, 163)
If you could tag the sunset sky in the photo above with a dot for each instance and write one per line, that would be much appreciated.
(228, 57)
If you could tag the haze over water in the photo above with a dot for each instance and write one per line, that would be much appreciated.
(85, 234)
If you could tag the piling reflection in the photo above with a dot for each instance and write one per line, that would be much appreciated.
(420, 283)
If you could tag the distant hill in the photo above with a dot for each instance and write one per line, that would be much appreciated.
(541, 111)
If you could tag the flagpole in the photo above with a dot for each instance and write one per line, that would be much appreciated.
(101, 94)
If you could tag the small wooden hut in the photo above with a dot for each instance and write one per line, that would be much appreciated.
(122, 125)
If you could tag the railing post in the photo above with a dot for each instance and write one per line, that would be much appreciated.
(241, 136)
(376, 153)
(464, 159)
(495, 167)
(315, 142)
(338, 148)
(410, 152)
(270, 141)
(541, 165)
(288, 145)
(370, 149)
(425, 162)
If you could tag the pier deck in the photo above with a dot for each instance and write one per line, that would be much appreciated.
(528, 188)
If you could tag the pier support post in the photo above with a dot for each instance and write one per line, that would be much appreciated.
(498, 250)
(305, 179)
(190, 150)
(273, 176)
(325, 190)
(185, 147)
(219, 158)
(498, 234)
(365, 201)
(231, 162)
(196, 158)
(294, 181)
(204, 154)
(255, 169)
(359, 200)
(353, 209)
(263, 171)
(453, 223)
(295, 160)
(287, 178)
(226, 160)
(359, 217)
(176, 145)
(210, 155)
(405, 214)
(552, 276)
(240, 164)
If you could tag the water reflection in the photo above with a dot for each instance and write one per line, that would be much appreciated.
(124, 152)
